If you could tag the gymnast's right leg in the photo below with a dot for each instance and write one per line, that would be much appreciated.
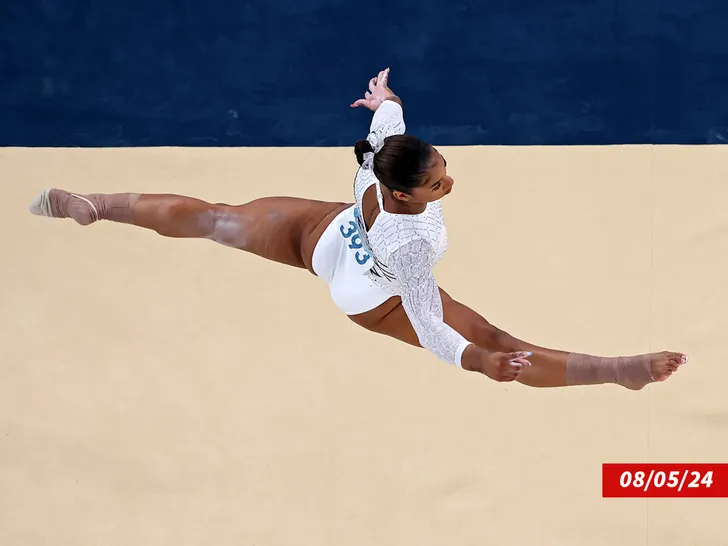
(282, 229)
(556, 368)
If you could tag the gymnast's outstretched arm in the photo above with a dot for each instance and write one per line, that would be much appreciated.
(423, 305)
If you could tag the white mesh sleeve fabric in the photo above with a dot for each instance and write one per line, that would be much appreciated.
(388, 120)
(422, 301)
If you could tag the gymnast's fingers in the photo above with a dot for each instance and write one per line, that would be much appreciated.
(518, 355)
(522, 362)
(383, 78)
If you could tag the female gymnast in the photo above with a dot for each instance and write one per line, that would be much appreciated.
(375, 254)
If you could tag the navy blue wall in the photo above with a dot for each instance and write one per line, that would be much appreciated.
(283, 72)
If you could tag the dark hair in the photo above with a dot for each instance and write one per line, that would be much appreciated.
(402, 162)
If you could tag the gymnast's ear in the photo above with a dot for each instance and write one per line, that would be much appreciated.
(401, 196)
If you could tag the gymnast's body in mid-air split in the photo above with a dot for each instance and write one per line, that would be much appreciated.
(376, 255)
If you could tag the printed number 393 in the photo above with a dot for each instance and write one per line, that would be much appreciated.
(355, 243)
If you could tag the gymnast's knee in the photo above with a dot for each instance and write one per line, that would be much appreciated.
(493, 338)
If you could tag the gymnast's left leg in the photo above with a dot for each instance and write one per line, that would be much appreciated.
(281, 229)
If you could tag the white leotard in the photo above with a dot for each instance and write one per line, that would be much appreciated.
(405, 247)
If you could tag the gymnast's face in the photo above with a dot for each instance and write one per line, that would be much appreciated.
(436, 183)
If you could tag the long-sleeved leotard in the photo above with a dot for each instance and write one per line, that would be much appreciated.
(405, 248)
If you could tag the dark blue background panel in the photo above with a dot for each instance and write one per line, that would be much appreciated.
(283, 72)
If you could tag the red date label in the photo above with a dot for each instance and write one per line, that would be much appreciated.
(664, 480)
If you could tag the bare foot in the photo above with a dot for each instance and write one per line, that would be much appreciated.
(666, 363)
(662, 366)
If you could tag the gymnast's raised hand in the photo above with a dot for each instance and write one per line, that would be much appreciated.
(379, 92)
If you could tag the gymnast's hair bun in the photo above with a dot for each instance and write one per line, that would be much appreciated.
(360, 148)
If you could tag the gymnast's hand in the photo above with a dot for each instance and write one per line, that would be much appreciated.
(505, 366)
(378, 92)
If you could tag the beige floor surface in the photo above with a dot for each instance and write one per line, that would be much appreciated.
(174, 392)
